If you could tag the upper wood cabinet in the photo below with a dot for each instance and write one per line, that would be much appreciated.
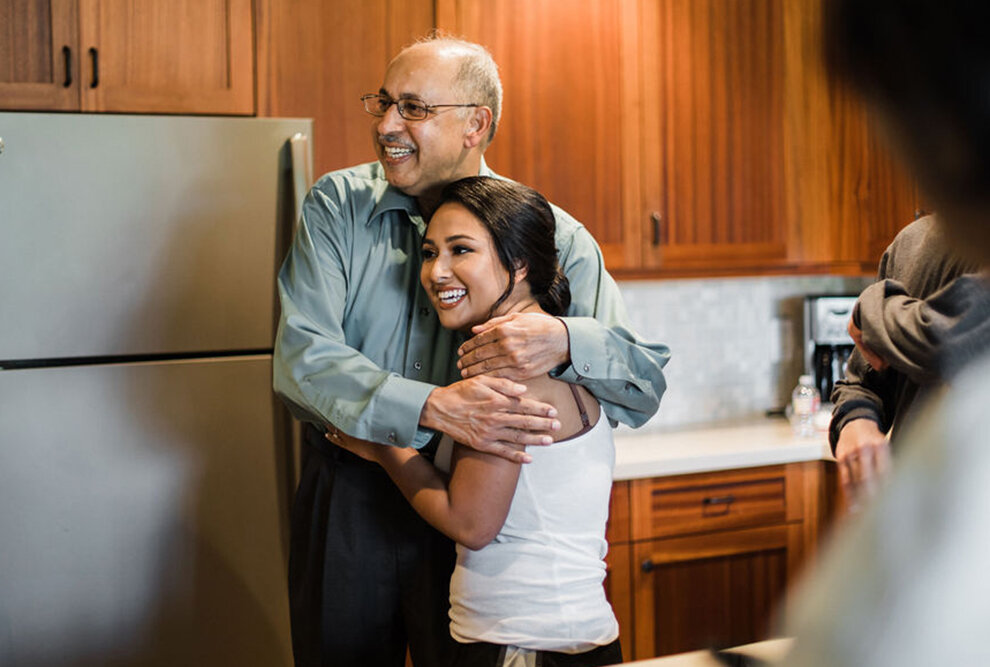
(567, 125)
(692, 137)
(147, 56)
(713, 139)
(317, 57)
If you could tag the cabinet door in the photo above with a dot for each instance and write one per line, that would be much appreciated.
(569, 120)
(39, 55)
(618, 590)
(710, 591)
(167, 56)
(307, 70)
(848, 196)
(712, 158)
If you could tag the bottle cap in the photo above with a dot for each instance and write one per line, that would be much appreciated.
(806, 379)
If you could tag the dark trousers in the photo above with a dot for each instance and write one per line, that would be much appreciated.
(482, 654)
(366, 573)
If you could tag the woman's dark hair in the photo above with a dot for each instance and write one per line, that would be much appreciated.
(522, 226)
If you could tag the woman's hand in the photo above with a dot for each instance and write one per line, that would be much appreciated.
(367, 450)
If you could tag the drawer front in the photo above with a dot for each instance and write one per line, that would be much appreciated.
(664, 507)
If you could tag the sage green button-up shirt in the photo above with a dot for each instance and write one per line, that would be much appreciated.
(359, 345)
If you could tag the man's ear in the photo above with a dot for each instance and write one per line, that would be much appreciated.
(478, 127)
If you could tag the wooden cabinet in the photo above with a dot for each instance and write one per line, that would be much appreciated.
(847, 195)
(568, 123)
(152, 56)
(692, 137)
(707, 557)
(712, 142)
(316, 58)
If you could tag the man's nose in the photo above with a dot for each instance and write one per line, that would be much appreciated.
(391, 121)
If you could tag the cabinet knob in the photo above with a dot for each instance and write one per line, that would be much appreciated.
(647, 566)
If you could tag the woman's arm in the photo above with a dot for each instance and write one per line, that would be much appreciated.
(469, 508)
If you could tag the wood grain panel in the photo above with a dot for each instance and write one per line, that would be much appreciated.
(714, 80)
(618, 591)
(618, 528)
(684, 504)
(847, 195)
(317, 57)
(33, 34)
(168, 56)
(714, 590)
(567, 116)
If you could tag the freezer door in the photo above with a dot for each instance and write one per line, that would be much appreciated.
(143, 515)
(141, 235)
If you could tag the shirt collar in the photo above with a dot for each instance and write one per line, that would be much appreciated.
(393, 199)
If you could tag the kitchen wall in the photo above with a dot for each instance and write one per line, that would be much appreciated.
(736, 343)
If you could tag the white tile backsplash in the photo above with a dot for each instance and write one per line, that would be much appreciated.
(736, 343)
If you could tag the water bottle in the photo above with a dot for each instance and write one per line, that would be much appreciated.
(804, 406)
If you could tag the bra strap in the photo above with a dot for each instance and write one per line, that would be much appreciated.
(580, 406)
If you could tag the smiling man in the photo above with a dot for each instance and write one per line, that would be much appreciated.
(360, 350)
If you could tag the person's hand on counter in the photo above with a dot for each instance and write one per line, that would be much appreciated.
(863, 455)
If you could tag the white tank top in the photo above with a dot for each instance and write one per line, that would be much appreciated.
(538, 584)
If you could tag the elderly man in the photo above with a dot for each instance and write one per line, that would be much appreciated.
(359, 349)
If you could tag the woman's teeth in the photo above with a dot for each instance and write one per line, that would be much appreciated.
(449, 296)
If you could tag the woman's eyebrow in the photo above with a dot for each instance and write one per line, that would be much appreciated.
(458, 237)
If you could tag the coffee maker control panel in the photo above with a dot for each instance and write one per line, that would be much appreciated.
(826, 338)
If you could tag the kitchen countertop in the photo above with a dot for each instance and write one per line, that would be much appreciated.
(766, 441)
(769, 651)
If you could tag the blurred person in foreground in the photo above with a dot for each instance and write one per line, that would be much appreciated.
(913, 330)
(904, 583)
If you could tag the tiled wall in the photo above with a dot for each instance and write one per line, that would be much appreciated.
(736, 343)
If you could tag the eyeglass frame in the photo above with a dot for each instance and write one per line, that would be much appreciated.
(400, 103)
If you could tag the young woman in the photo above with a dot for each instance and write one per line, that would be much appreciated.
(527, 587)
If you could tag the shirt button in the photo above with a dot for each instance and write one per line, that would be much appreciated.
(587, 367)
(391, 436)
(424, 311)
(418, 365)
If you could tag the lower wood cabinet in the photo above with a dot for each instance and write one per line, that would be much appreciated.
(703, 560)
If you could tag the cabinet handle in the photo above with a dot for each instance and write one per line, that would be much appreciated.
(67, 55)
(656, 219)
(647, 566)
(95, 57)
(719, 500)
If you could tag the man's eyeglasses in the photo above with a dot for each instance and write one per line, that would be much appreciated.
(410, 109)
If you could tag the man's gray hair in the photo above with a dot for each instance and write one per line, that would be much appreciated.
(477, 77)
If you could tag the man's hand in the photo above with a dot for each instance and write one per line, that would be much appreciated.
(863, 454)
(517, 347)
(489, 414)
(872, 358)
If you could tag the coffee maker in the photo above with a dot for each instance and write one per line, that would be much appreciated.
(827, 343)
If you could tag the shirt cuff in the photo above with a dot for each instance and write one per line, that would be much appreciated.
(589, 357)
(397, 406)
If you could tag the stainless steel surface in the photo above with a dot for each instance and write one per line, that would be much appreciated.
(826, 339)
(139, 234)
(143, 505)
(140, 513)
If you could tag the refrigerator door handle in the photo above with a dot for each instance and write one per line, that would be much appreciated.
(302, 176)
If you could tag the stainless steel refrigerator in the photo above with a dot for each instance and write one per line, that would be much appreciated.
(145, 465)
